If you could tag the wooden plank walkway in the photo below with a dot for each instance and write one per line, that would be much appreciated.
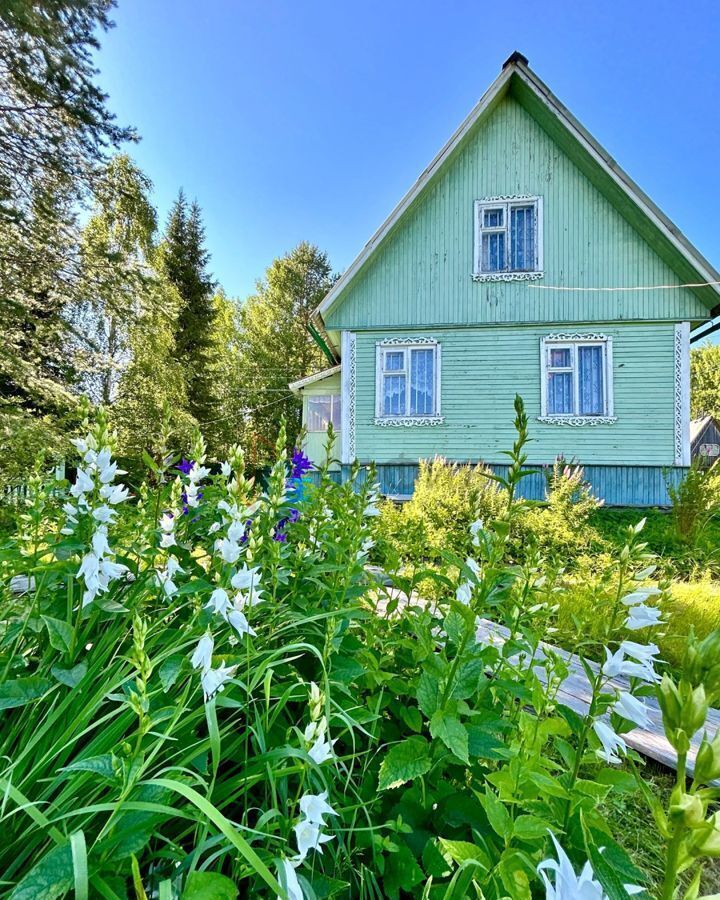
(575, 691)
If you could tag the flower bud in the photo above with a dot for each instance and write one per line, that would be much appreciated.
(689, 808)
(705, 841)
(695, 709)
(707, 764)
(670, 704)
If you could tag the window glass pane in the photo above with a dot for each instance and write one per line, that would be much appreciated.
(591, 377)
(493, 252)
(336, 413)
(394, 360)
(560, 357)
(393, 395)
(422, 381)
(522, 238)
(318, 413)
(560, 393)
(493, 218)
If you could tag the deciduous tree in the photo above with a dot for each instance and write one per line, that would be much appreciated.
(705, 381)
(275, 345)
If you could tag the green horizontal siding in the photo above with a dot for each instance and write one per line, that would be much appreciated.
(483, 369)
(421, 274)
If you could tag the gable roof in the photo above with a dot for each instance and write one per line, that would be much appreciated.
(516, 78)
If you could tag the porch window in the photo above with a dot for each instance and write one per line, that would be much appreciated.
(408, 380)
(577, 377)
(508, 237)
(321, 411)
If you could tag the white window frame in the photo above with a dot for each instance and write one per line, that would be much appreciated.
(400, 345)
(335, 400)
(506, 204)
(572, 342)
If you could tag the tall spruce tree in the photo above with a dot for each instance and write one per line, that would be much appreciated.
(184, 260)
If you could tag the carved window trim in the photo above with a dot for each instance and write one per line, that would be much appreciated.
(409, 420)
(507, 201)
(576, 339)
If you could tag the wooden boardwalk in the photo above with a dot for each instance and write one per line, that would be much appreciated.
(575, 691)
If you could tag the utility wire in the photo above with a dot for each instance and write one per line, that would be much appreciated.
(645, 287)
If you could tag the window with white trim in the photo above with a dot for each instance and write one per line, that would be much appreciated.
(508, 237)
(408, 380)
(322, 409)
(577, 377)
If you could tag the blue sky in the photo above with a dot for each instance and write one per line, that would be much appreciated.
(301, 119)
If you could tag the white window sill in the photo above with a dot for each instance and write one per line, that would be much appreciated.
(577, 420)
(507, 276)
(408, 421)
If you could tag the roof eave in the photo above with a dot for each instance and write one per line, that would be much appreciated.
(296, 386)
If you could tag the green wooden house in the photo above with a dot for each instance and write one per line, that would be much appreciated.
(523, 260)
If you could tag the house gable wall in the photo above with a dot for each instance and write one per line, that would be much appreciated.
(421, 274)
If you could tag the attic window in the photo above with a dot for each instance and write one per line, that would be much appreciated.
(508, 239)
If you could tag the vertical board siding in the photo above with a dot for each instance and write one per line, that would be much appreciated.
(482, 371)
(616, 485)
(421, 275)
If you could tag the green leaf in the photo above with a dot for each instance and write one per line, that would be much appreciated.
(450, 730)
(100, 765)
(52, 877)
(404, 761)
(460, 851)
(467, 679)
(346, 669)
(23, 690)
(498, 816)
(613, 867)
(170, 670)
(402, 873)
(411, 716)
(484, 745)
(196, 586)
(622, 782)
(530, 828)
(70, 677)
(150, 462)
(428, 693)
(454, 626)
(549, 785)
(209, 886)
(516, 869)
(59, 633)
(78, 848)
(433, 860)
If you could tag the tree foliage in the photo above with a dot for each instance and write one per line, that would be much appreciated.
(184, 259)
(54, 121)
(55, 132)
(276, 347)
(153, 380)
(117, 251)
(705, 381)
